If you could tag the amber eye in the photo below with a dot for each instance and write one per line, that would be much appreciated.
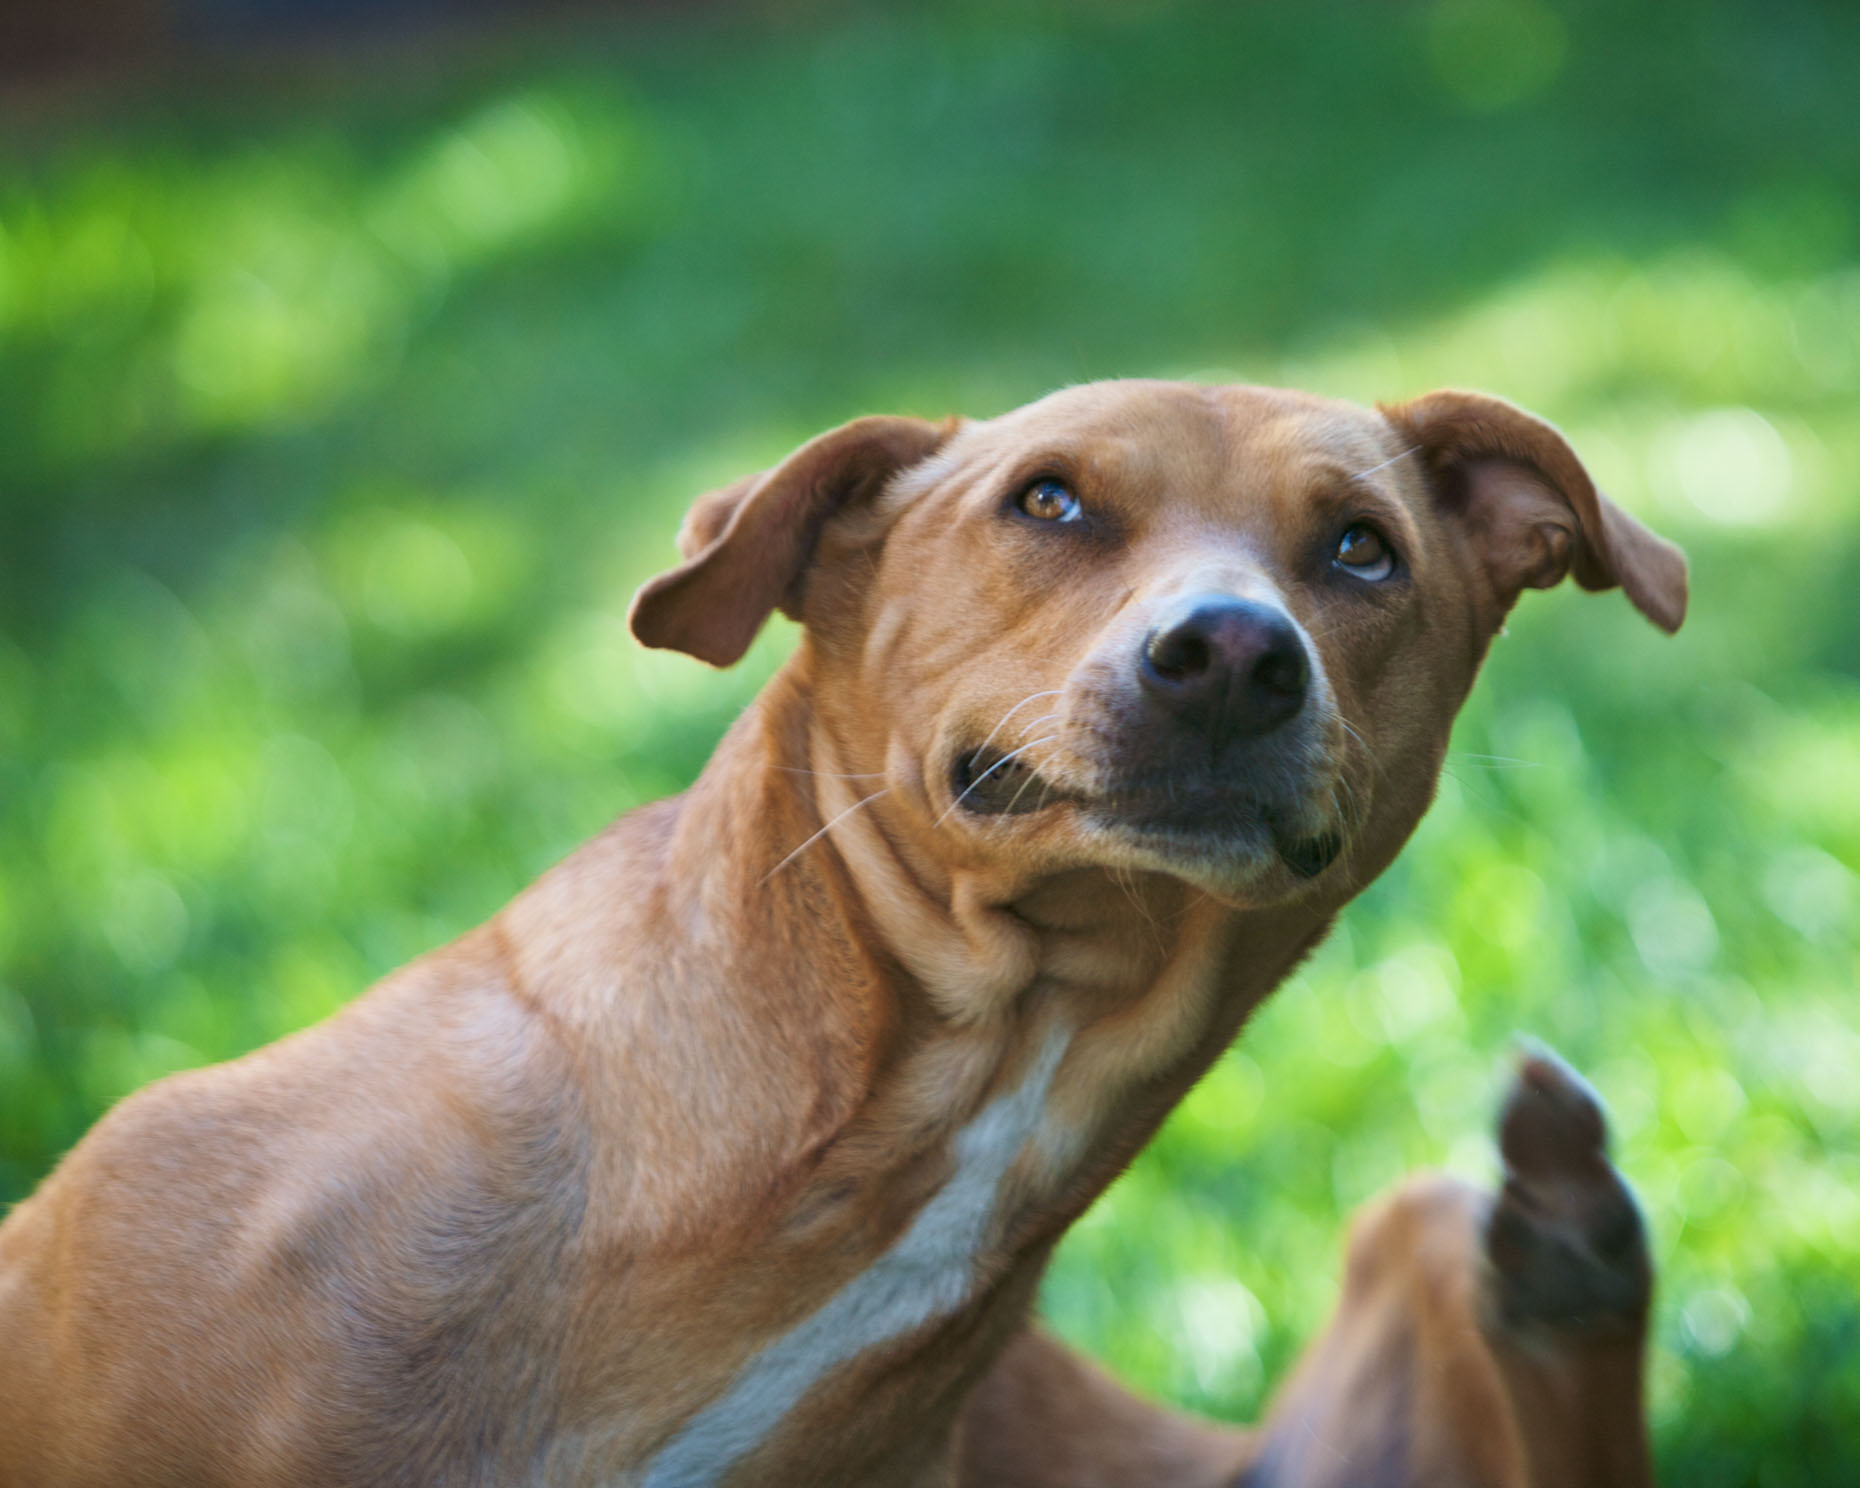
(1050, 501)
(1365, 552)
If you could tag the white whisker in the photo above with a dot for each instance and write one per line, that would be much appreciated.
(1498, 761)
(1033, 774)
(1386, 463)
(1030, 697)
(1344, 723)
(986, 773)
(865, 801)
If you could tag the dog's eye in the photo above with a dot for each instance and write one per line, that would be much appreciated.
(1365, 552)
(1050, 501)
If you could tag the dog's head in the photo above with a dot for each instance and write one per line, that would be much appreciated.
(1216, 632)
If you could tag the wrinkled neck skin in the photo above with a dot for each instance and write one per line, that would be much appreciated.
(1129, 985)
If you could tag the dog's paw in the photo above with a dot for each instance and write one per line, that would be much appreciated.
(1565, 1238)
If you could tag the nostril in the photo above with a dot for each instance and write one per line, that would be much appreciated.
(1233, 667)
(1179, 654)
(1283, 670)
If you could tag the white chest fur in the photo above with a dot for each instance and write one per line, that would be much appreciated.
(927, 1273)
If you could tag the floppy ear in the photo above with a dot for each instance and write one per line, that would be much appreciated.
(747, 548)
(1531, 508)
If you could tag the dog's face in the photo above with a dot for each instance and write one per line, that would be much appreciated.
(1219, 633)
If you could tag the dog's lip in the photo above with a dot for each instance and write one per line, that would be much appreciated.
(1217, 821)
(993, 782)
(1310, 855)
(989, 782)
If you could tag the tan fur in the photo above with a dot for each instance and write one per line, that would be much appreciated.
(523, 1210)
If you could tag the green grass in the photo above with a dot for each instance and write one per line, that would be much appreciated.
(339, 416)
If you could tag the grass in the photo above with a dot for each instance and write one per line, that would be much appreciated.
(340, 415)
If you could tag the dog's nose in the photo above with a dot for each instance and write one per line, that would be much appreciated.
(1231, 665)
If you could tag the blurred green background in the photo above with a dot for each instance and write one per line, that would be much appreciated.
(343, 404)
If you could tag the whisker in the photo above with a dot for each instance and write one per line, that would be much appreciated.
(1318, 633)
(1413, 448)
(865, 801)
(1033, 775)
(1030, 697)
(1344, 723)
(1348, 817)
(986, 773)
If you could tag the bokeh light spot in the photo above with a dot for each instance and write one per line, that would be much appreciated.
(1713, 1318)
(1811, 891)
(145, 921)
(1731, 464)
(1220, 1321)
(416, 580)
(1672, 926)
(1706, 1102)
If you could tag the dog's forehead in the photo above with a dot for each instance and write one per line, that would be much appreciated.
(1142, 430)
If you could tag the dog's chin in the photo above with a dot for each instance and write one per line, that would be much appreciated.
(1233, 848)
(1222, 840)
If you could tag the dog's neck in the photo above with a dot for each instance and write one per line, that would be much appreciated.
(863, 1095)
(833, 1009)
(1140, 981)
(911, 1082)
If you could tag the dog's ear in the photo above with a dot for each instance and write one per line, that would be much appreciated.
(747, 547)
(1530, 507)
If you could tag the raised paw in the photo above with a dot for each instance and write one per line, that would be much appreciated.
(1565, 1238)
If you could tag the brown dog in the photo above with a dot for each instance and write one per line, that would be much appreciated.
(734, 1148)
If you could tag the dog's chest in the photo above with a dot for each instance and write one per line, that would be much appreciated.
(929, 1273)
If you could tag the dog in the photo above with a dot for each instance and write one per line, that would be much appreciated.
(733, 1149)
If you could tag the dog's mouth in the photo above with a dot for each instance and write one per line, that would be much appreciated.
(1310, 856)
(991, 782)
